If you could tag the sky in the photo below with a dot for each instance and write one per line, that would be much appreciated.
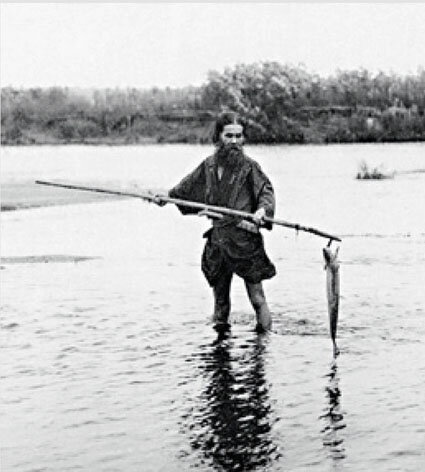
(177, 44)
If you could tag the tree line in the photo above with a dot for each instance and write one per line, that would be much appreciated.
(282, 104)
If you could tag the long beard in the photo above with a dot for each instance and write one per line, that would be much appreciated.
(229, 155)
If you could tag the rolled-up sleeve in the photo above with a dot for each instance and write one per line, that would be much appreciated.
(191, 188)
(264, 193)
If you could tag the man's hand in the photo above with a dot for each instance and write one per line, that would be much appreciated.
(158, 200)
(259, 216)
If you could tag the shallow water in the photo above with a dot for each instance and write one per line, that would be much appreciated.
(109, 361)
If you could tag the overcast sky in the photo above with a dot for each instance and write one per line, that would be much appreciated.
(165, 44)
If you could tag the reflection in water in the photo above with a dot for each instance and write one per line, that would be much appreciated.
(333, 416)
(231, 424)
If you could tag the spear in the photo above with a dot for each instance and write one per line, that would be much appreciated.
(208, 209)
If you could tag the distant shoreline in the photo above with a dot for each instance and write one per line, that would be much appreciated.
(145, 141)
(86, 142)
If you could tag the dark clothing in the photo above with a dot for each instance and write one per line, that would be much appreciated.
(245, 187)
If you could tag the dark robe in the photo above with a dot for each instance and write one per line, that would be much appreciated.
(230, 248)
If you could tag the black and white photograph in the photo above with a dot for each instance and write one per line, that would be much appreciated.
(212, 237)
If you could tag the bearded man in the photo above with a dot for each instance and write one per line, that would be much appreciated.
(230, 179)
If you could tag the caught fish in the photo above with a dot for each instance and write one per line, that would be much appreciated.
(332, 291)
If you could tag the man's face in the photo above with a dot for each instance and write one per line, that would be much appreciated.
(232, 136)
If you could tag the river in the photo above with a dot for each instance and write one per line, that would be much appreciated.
(109, 362)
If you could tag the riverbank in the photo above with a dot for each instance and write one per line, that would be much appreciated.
(149, 141)
(338, 131)
(40, 139)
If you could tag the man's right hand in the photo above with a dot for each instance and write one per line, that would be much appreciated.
(157, 198)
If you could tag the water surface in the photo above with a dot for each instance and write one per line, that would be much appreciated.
(108, 358)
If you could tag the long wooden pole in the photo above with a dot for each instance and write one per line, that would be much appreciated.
(201, 206)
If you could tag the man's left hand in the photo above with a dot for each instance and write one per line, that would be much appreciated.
(259, 216)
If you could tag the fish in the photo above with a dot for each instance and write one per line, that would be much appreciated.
(332, 292)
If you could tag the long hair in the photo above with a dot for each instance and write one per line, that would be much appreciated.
(224, 119)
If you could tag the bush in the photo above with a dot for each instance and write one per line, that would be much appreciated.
(375, 173)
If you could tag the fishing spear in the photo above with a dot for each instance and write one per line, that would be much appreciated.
(202, 207)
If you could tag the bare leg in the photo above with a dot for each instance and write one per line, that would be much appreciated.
(335, 349)
(259, 303)
(222, 300)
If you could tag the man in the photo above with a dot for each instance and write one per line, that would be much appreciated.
(230, 179)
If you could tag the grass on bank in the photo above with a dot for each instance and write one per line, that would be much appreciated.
(366, 172)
